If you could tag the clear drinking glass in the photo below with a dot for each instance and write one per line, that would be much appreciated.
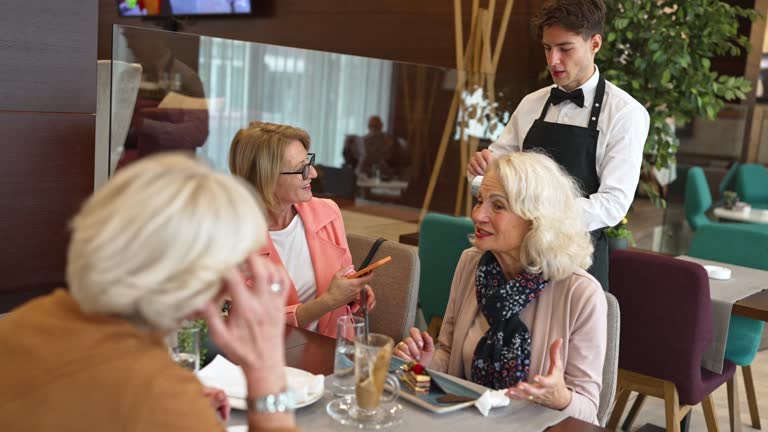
(348, 328)
(184, 347)
(372, 359)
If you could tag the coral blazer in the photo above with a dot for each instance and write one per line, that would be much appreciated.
(327, 241)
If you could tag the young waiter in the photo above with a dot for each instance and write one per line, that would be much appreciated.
(594, 129)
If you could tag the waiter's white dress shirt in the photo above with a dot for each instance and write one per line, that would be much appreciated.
(623, 126)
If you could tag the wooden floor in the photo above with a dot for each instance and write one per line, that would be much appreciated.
(653, 229)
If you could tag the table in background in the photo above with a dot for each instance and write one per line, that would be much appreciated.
(314, 353)
(751, 216)
(372, 186)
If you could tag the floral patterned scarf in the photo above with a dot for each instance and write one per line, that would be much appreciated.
(503, 355)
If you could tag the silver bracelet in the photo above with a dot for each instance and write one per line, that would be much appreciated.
(272, 403)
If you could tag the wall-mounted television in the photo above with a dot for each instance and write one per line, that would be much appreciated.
(164, 8)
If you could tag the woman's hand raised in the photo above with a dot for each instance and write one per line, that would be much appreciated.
(548, 390)
(253, 334)
(419, 347)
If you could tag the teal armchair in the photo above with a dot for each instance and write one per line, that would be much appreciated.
(698, 201)
(743, 246)
(751, 183)
(729, 181)
(698, 198)
(442, 239)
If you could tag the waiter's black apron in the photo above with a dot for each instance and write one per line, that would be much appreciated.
(575, 149)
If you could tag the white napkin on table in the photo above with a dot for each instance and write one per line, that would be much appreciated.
(492, 399)
(303, 384)
(223, 374)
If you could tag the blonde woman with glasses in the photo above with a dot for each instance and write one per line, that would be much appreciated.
(158, 244)
(306, 234)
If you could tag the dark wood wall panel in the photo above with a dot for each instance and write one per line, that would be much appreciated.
(48, 56)
(403, 30)
(47, 124)
(47, 172)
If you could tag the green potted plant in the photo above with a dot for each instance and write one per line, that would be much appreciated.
(619, 236)
(661, 52)
(730, 198)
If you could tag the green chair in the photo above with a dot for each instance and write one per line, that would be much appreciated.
(698, 199)
(743, 246)
(729, 181)
(751, 183)
(442, 239)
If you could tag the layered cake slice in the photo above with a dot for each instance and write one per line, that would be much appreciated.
(416, 378)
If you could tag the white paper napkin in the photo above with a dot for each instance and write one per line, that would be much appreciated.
(223, 374)
(303, 384)
(491, 399)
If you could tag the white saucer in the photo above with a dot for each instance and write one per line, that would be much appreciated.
(717, 272)
(342, 410)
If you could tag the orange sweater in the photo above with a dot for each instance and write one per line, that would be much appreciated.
(63, 370)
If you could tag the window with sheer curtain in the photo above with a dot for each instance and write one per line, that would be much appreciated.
(328, 95)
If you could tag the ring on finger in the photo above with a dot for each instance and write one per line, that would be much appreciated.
(275, 288)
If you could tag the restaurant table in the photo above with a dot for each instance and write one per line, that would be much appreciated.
(750, 216)
(754, 306)
(369, 186)
(743, 283)
(314, 353)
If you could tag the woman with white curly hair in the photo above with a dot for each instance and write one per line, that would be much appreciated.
(523, 313)
(160, 243)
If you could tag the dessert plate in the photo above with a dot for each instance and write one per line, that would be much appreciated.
(442, 384)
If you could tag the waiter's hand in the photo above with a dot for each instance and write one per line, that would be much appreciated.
(480, 162)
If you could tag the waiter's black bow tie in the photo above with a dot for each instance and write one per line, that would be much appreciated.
(576, 96)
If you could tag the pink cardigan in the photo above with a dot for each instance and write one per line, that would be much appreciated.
(573, 308)
(328, 248)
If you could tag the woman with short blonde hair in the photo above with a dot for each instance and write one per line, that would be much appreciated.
(306, 234)
(523, 313)
(161, 242)
(120, 262)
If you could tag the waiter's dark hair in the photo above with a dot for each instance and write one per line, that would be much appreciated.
(585, 17)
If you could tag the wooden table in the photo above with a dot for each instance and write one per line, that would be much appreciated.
(314, 353)
(754, 306)
(410, 238)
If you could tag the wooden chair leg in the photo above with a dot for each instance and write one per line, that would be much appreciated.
(749, 385)
(672, 407)
(734, 410)
(632, 416)
(709, 414)
(622, 397)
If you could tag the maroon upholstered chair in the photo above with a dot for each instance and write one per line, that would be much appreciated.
(666, 327)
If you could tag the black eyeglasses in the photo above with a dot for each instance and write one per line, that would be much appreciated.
(304, 171)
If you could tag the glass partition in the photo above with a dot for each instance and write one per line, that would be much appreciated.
(375, 125)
